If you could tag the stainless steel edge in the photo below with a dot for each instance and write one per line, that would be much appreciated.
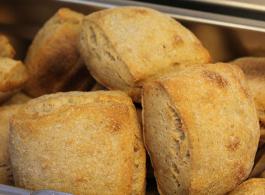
(10, 190)
(255, 5)
(181, 14)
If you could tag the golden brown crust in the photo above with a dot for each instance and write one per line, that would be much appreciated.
(122, 47)
(250, 187)
(83, 144)
(53, 60)
(218, 115)
(6, 49)
(13, 75)
(6, 113)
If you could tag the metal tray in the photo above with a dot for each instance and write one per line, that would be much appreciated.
(254, 5)
(226, 37)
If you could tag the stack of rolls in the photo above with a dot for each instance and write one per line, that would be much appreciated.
(101, 92)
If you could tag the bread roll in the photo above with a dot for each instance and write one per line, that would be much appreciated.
(13, 75)
(122, 47)
(250, 187)
(81, 143)
(53, 59)
(6, 49)
(6, 112)
(200, 129)
(254, 69)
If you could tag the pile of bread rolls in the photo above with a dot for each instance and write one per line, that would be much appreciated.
(201, 123)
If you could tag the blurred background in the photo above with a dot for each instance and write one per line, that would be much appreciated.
(229, 29)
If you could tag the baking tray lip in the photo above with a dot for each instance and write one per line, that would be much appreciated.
(255, 5)
(11, 190)
(181, 14)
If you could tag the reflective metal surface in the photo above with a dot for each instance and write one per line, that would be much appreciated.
(257, 5)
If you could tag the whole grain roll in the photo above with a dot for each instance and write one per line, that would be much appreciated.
(6, 112)
(53, 60)
(122, 47)
(13, 75)
(78, 142)
(250, 187)
(201, 129)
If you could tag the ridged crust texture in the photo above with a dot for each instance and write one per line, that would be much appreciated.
(124, 46)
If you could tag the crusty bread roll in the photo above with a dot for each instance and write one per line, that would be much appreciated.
(6, 113)
(18, 98)
(200, 129)
(254, 69)
(250, 187)
(13, 75)
(53, 59)
(122, 47)
(79, 142)
(6, 49)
